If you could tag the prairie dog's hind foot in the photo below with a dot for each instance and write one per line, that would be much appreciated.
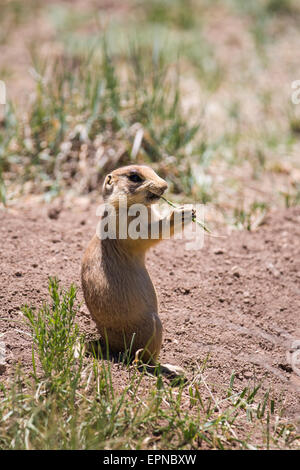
(172, 372)
(176, 374)
(98, 349)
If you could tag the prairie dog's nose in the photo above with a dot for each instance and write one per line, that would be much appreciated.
(163, 187)
(161, 184)
(158, 187)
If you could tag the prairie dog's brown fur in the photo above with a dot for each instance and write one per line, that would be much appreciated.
(117, 287)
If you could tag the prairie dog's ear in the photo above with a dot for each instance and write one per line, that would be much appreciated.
(107, 185)
(108, 180)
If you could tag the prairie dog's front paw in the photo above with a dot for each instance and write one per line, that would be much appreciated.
(181, 217)
(184, 215)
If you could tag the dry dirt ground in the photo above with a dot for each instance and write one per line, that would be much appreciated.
(237, 299)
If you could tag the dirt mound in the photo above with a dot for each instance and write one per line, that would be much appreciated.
(237, 299)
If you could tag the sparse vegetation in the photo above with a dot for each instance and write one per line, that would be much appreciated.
(252, 219)
(69, 402)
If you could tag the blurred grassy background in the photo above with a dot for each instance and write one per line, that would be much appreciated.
(200, 90)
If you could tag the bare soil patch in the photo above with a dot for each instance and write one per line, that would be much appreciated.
(237, 299)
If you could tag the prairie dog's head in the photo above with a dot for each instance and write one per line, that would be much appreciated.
(139, 183)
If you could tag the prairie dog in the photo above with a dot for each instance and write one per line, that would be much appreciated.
(117, 287)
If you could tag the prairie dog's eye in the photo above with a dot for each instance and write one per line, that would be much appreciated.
(135, 178)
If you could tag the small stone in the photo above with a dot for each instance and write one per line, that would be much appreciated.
(247, 374)
(271, 268)
(186, 291)
(53, 212)
(235, 271)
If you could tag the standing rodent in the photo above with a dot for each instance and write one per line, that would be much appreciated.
(117, 287)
